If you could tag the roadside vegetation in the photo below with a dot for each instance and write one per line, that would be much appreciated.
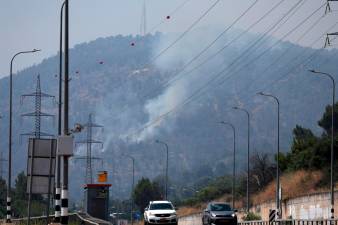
(305, 167)
(19, 196)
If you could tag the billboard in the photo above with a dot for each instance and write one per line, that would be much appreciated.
(41, 165)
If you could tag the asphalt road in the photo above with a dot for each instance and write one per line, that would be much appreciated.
(191, 220)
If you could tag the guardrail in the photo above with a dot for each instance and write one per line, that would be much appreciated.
(74, 218)
(292, 222)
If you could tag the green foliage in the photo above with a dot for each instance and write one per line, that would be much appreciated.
(325, 121)
(251, 216)
(20, 199)
(146, 191)
(214, 189)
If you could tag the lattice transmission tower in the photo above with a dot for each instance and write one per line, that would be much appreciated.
(38, 96)
(89, 142)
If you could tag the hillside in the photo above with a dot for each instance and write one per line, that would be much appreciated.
(114, 80)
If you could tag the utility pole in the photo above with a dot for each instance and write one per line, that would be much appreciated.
(167, 165)
(143, 26)
(89, 141)
(57, 197)
(38, 95)
(132, 189)
(248, 158)
(64, 191)
(9, 178)
(234, 161)
(278, 151)
(332, 182)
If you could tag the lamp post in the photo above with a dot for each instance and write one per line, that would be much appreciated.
(234, 161)
(58, 158)
(9, 180)
(133, 185)
(248, 159)
(65, 158)
(332, 137)
(166, 173)
(278, 150)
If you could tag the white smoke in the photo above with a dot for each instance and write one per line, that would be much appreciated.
(179, 91)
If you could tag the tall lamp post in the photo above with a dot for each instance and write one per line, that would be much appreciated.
(278, 150)
(133, 186)
(248, 159)
(58, 159)
(166, 171)
(9, 179)
(234, 161)
(332, 137)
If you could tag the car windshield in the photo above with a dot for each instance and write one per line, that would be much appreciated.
(160, 206)
(220, 207)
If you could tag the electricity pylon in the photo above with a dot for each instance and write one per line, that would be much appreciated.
(38, 95)
(89, 141)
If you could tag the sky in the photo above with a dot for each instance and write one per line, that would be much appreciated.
(29, 24)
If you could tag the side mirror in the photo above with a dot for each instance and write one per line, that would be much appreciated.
(145, 209)
(206, 210)
(235, 210)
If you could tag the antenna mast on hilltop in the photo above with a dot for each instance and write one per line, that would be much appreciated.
(89, 141)
(143, 26)
(37, 114)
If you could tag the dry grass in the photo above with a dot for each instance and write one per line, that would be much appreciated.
(190, 210)
(293, 185)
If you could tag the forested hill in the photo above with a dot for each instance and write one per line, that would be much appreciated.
(127, 84)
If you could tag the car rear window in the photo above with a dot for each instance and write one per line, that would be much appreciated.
(159, 206)
(220, 207)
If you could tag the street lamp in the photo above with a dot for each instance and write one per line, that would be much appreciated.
(9, 180)
(133, 185)
(166, 173)
(58, 158)
(332, 137)
(234, 161)
(278, 150)
(248, 159)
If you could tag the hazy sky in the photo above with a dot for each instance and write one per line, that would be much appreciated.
(28, 24)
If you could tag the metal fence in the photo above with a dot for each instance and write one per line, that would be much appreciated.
(292, 222)
(74, 219)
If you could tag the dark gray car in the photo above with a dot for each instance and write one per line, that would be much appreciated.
(219, 214)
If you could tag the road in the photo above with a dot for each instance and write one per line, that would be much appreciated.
(191, 220)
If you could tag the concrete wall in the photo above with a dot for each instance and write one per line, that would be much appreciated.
(314, 206)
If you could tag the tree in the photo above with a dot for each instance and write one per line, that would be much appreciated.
(262, 171)
(20, 198)
(144, 192)
(325, 121)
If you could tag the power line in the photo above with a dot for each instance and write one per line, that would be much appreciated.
(176, 78)
(199, 92)
(184, 33)
(169, 15)
(206, 48)
(288, 50)
(259, 39)
(279, 41)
